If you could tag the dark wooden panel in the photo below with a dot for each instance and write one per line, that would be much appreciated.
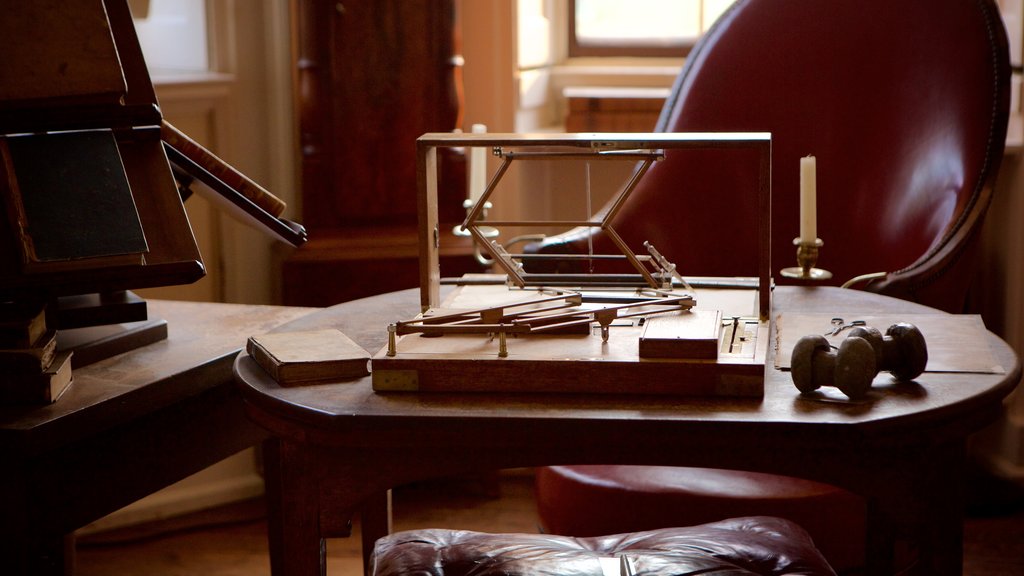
(339, 267)
(613, 110)
(371, 77)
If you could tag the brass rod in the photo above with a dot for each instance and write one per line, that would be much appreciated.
(647, 155)
(474, 214)
(641, 257)
(497, 223)
(626, 192)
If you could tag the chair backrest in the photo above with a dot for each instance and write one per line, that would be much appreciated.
(903, 103)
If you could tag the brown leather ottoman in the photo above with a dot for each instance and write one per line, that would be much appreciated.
(739, 546)
(594, 500)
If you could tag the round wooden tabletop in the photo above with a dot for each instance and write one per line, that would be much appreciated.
(937, 400)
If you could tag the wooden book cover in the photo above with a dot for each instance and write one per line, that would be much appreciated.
(58, 51)
(34, 359)
(70, 203)
(296, 358)
(40, 388)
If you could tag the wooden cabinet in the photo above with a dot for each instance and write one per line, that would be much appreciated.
(613, 109)
(371, 76)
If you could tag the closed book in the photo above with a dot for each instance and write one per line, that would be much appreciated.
(21, 324)
(297, 358)
(29, 360)
(40, 388)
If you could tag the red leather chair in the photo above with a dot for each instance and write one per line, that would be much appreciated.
(905, 105)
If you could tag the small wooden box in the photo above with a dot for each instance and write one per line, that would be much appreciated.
(691, 335)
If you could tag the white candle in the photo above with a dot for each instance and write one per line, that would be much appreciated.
(808, 201)
(477, 167)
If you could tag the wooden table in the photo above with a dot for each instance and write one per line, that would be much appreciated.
(126, 427)
(339, 447)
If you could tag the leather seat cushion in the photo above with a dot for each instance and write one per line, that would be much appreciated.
(603, 499)
(734, 547)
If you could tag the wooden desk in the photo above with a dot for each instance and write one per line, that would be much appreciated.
(126, 427)
(338, 447)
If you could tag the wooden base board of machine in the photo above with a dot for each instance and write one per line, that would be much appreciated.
(582, 362)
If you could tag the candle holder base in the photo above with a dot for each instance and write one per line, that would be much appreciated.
(809, 274)
(807, 257)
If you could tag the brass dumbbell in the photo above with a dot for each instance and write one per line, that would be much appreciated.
(902, 351)
(851, 368)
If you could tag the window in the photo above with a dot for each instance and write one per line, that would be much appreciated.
(639, 27)
(172, 34)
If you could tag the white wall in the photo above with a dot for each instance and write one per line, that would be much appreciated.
(262, 144)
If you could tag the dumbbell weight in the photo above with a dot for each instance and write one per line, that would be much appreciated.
(902, 351)
(851, 368)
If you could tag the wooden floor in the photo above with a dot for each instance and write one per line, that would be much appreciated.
(231, 541)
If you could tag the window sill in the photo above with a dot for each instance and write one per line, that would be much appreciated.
(616, 72)
(163, 78)
(176, 85)
(1015, 134)
(614, 78)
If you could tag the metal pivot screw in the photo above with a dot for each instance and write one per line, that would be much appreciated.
(502, 346)
(392, 344)
(605, 318)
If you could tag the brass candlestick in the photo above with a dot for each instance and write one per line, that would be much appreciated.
(807, 257)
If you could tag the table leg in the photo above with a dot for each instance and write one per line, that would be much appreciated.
(942, 489)
(880, 554)
(375, 523)
(918, 499)
(296, 546)
(29, 547)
